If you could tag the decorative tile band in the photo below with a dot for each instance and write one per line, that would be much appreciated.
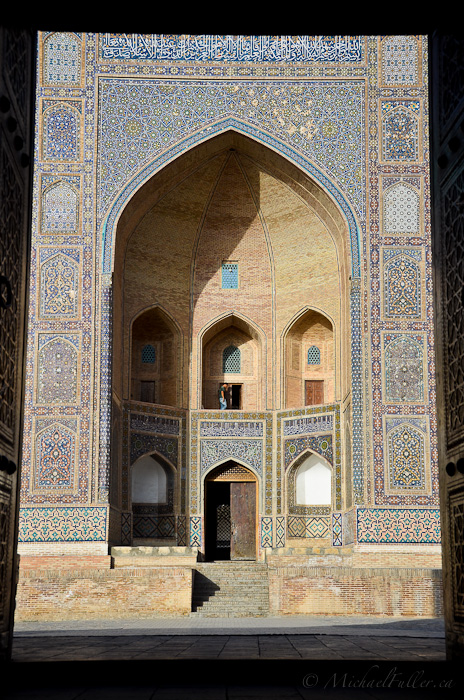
(142, 444)
(231, 429)
(214, 47)
(63, 524)
(398, 526)
(280, 531)
(322, 444)
(195, 531)
(250, 452)
(143, 422)
(337, 530)
(308, 424)
(266, 532)
(301, 526)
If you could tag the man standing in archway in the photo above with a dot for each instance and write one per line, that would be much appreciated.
(222, 397)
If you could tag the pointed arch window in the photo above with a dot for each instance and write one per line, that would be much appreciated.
(314, 355)
(148, 355)
(231, 360)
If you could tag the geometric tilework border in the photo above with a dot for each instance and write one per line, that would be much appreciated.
(308, 527)
(337, 530)
(266, 532)
(326, 445)
(398, 526)
(63, 524)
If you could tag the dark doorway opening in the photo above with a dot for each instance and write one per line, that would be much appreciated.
(230, 519)
(218, 527)
(235, 396)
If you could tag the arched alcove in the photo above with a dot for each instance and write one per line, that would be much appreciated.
(231, 354)
(230, 226)
(313, 482)
(149, 481)
(153, 499)
(153, 363)
(309, 362)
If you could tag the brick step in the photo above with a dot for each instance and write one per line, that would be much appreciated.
(233, 595)
(231, 590)
(225, 602)
(232, 605)
(229, 585)
(231, 565)
(226, 614)
(206, 595)
(227, 566)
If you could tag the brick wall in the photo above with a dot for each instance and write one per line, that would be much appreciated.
(51, 594)
(59, 563)
(304, 590)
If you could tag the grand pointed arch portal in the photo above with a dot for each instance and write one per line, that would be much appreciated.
(208, 293)
(247, 220)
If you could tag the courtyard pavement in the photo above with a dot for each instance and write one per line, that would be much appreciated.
(205, 658)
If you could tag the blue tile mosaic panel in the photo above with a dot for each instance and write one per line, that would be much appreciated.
(398, 526)
(266, 532)
(63, 524)
(195, 531)
(308, 527)
(337, 529)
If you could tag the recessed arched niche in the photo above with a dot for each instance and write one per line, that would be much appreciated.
(154, 346)
(231, 353)
(313, 482)
(310, 361)
(149, 481)
(153, 496)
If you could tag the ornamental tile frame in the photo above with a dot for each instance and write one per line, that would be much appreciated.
(59, 273)
(62, 119)
(113, 110)
(301, 432)
(247, 438)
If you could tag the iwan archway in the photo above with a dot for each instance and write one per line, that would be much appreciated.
(228, 264)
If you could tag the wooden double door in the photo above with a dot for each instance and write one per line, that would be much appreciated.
(230, 519)
(314, 392)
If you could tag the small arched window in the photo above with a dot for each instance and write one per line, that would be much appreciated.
(148, 355)
(314, 355)
(231, 360)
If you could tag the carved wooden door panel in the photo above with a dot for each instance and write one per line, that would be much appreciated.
(243, 520)
(448, 257)
(16, 70)
(314, 392)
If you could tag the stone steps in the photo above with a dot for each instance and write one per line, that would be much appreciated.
(225, 589)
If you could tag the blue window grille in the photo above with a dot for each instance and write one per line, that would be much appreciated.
(231, 360)
(148, 355)
(314, 355)
(230, 275)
